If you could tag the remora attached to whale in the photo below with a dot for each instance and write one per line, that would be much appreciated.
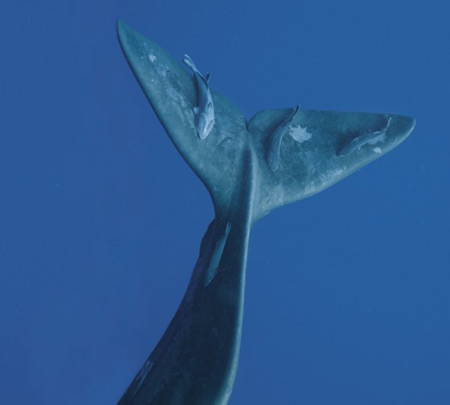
(196, 359)
(204, 112)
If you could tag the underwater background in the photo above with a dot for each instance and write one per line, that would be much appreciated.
(347, 295)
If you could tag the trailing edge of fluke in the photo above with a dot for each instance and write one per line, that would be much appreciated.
(250, 167)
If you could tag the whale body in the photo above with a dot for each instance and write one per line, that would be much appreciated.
(249, 167)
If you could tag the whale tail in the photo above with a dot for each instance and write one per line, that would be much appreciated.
(311, 153)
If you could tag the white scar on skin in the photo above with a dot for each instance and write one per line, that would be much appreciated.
(300, 134)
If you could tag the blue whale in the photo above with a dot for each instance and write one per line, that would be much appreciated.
(249, 167)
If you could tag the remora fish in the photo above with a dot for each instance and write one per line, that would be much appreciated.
(195, 361)
(273, 158)
(368, 138)
(204, 112)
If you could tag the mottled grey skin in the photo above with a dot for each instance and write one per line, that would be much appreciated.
(195, 361)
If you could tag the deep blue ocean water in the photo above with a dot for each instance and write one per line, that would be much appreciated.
(347, 296)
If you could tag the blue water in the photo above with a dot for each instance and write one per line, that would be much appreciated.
(347, 298)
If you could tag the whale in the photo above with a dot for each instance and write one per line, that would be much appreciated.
(250, 167)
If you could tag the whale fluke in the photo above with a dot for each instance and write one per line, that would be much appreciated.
(250, 167)
(307, 166)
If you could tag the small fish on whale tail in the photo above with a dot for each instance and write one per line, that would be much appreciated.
(273, 154)
(369, 137)
(204, 111)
